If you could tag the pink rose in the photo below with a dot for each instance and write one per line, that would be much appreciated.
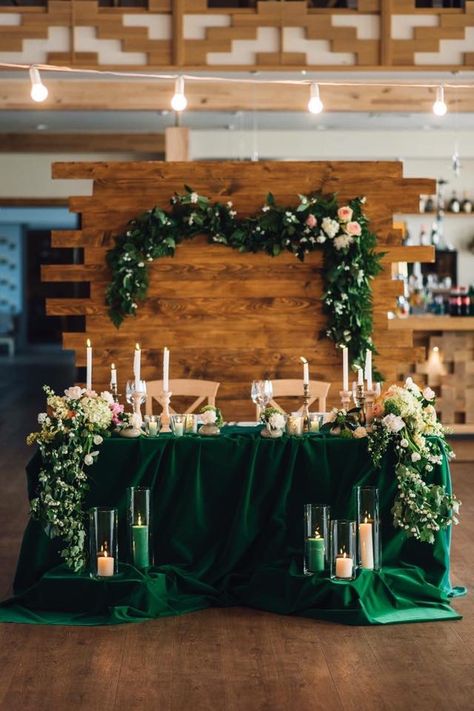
(311, 221)
(344, 213)
(116, 410)
(353, 228)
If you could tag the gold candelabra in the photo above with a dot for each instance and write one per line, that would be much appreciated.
(305, 410)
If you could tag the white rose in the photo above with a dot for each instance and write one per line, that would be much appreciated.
(42, 417)
(359, 432)
(88, 459)
(342, 241)
(331, 227)
(209, 417)
(415, 457)
(410, 385)
(429, 394)
(74, 392)
(393, 423)
(330, 416)
(276, 421)
(98, 439)
(404, 443)
(108, 397)
(194, 197)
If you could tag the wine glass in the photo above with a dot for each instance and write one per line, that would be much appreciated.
(261, 393)
(133, 387)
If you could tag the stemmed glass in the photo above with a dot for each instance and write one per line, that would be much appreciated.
(261, 393)
(134, 387)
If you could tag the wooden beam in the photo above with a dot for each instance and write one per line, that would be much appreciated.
(144, 95)
(177, 29)
(150, 143)
(386, 32)
(177, 143)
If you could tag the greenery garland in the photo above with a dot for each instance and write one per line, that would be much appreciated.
(350, 259)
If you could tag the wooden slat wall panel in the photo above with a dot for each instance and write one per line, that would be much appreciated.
(228, 316)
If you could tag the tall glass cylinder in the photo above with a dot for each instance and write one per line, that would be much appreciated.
(368, 527)
(316, 538)
(139, 526)
(103, 542)
(343, 549)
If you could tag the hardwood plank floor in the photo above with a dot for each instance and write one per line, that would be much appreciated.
(219, 660)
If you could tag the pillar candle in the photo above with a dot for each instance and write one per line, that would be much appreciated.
(137, 358)
(315, 553)
(360, 376)
(141, 557)
(368, 368)
(366, 545)
(305, 370)
(113, 374)
(153, 428)
(105, 565)
(178, 429)
(345, 368)
(89, 365)
(166, 369)
(344, 566)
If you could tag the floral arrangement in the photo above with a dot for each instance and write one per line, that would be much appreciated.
(211, 415)
(350, 260)
(344, 423)
(273, 418)
(74, 425)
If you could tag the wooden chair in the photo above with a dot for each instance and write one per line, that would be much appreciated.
(318, 390)
(181, 387)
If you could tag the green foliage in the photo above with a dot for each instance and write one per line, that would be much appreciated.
(350, 259)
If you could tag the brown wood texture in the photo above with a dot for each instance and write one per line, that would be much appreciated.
(148, 143)
(228, 316)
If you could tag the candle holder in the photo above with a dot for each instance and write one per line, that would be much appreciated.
(295, 424)
(370, 396)
(103, 543)
(316, 419)
(343, 550)
(177, 425)
(190, 423)
(358, 394)
(368, 526)
(305, 409)
(152, 425)
(346, 397)
(316, 538)
(164, 401)
(136, 396)
(114, 391)
(139, 525)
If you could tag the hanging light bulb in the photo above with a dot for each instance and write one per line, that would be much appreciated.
(439, 106)
(38, 90)
(179, 101)
(315, 105)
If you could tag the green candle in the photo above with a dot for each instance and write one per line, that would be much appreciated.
(315, 554)
(141, 558)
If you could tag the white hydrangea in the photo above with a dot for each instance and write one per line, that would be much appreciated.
(209, 417)
(342, 241)
(276, 421)
(42, 417)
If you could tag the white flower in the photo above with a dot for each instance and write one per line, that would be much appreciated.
(276, 421)
(331, 227)
(42, 417)
(194, 197)
(265, 208)
(404, 443)
(141, 264)
(74, 392)
(393, 423)
(209, 417)
(410, 385)
(415, 457)
(108, 397)
(359, 432)
(229, 203)
(98, 439)
(321, 238)
(331, 416)
(342, 241)
(88, 459)
(428, 394)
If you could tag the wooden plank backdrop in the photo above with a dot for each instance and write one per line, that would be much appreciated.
(228, 316)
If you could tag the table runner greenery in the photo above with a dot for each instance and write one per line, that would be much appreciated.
(350, 259)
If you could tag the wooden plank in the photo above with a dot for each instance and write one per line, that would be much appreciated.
(433, 323)
(152, 143)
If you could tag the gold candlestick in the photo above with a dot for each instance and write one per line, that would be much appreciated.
(305, 410)
(114, 391)
(359, 399)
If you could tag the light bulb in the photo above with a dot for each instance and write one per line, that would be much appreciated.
(315, 105)
(439, 106)
(38, 90)
(179, 101)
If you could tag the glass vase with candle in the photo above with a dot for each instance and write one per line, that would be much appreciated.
(343, 549)
(295, 424)
(190, 423)
(103, 542)
(177, 425)
(368, 527)
(316, 538)
(139, 523)
(152, 425)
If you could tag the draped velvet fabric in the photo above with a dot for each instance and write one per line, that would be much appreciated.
(228, 530)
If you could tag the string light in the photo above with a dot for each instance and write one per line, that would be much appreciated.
(38, 90)
(179, 100)
(439, 106)
(315, 105)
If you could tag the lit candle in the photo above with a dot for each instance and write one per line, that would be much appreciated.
(178, 429)
(141, 557)
(345, 368)
(305, 370)
(113, 374)
(166, 369)
(137, 358)
(360, 376)
(344, 566)
(315, 553)
(368, 368)
(366, 545)
(105, 563)
(153, 428)
(88, 365)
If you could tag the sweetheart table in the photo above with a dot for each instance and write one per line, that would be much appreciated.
(228, 530)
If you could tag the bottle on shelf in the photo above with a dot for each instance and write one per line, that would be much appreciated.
(435, 236)
(455, 302)
(466, 205)
(454, 205)
(430, 204)
(465, 301)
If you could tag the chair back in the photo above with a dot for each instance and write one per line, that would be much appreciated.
(201, 390)
(318, 390)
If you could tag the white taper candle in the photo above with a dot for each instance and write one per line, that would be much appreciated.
(88, 365)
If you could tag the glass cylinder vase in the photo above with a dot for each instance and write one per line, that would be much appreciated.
(103, 542)
(316, 538)
(368, 527)
(343, 549)
(190, 423)
(177, 425)
(139, 521)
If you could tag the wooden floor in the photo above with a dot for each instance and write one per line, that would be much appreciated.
(237, 659)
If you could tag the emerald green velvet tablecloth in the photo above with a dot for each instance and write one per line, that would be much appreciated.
(228, 530)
